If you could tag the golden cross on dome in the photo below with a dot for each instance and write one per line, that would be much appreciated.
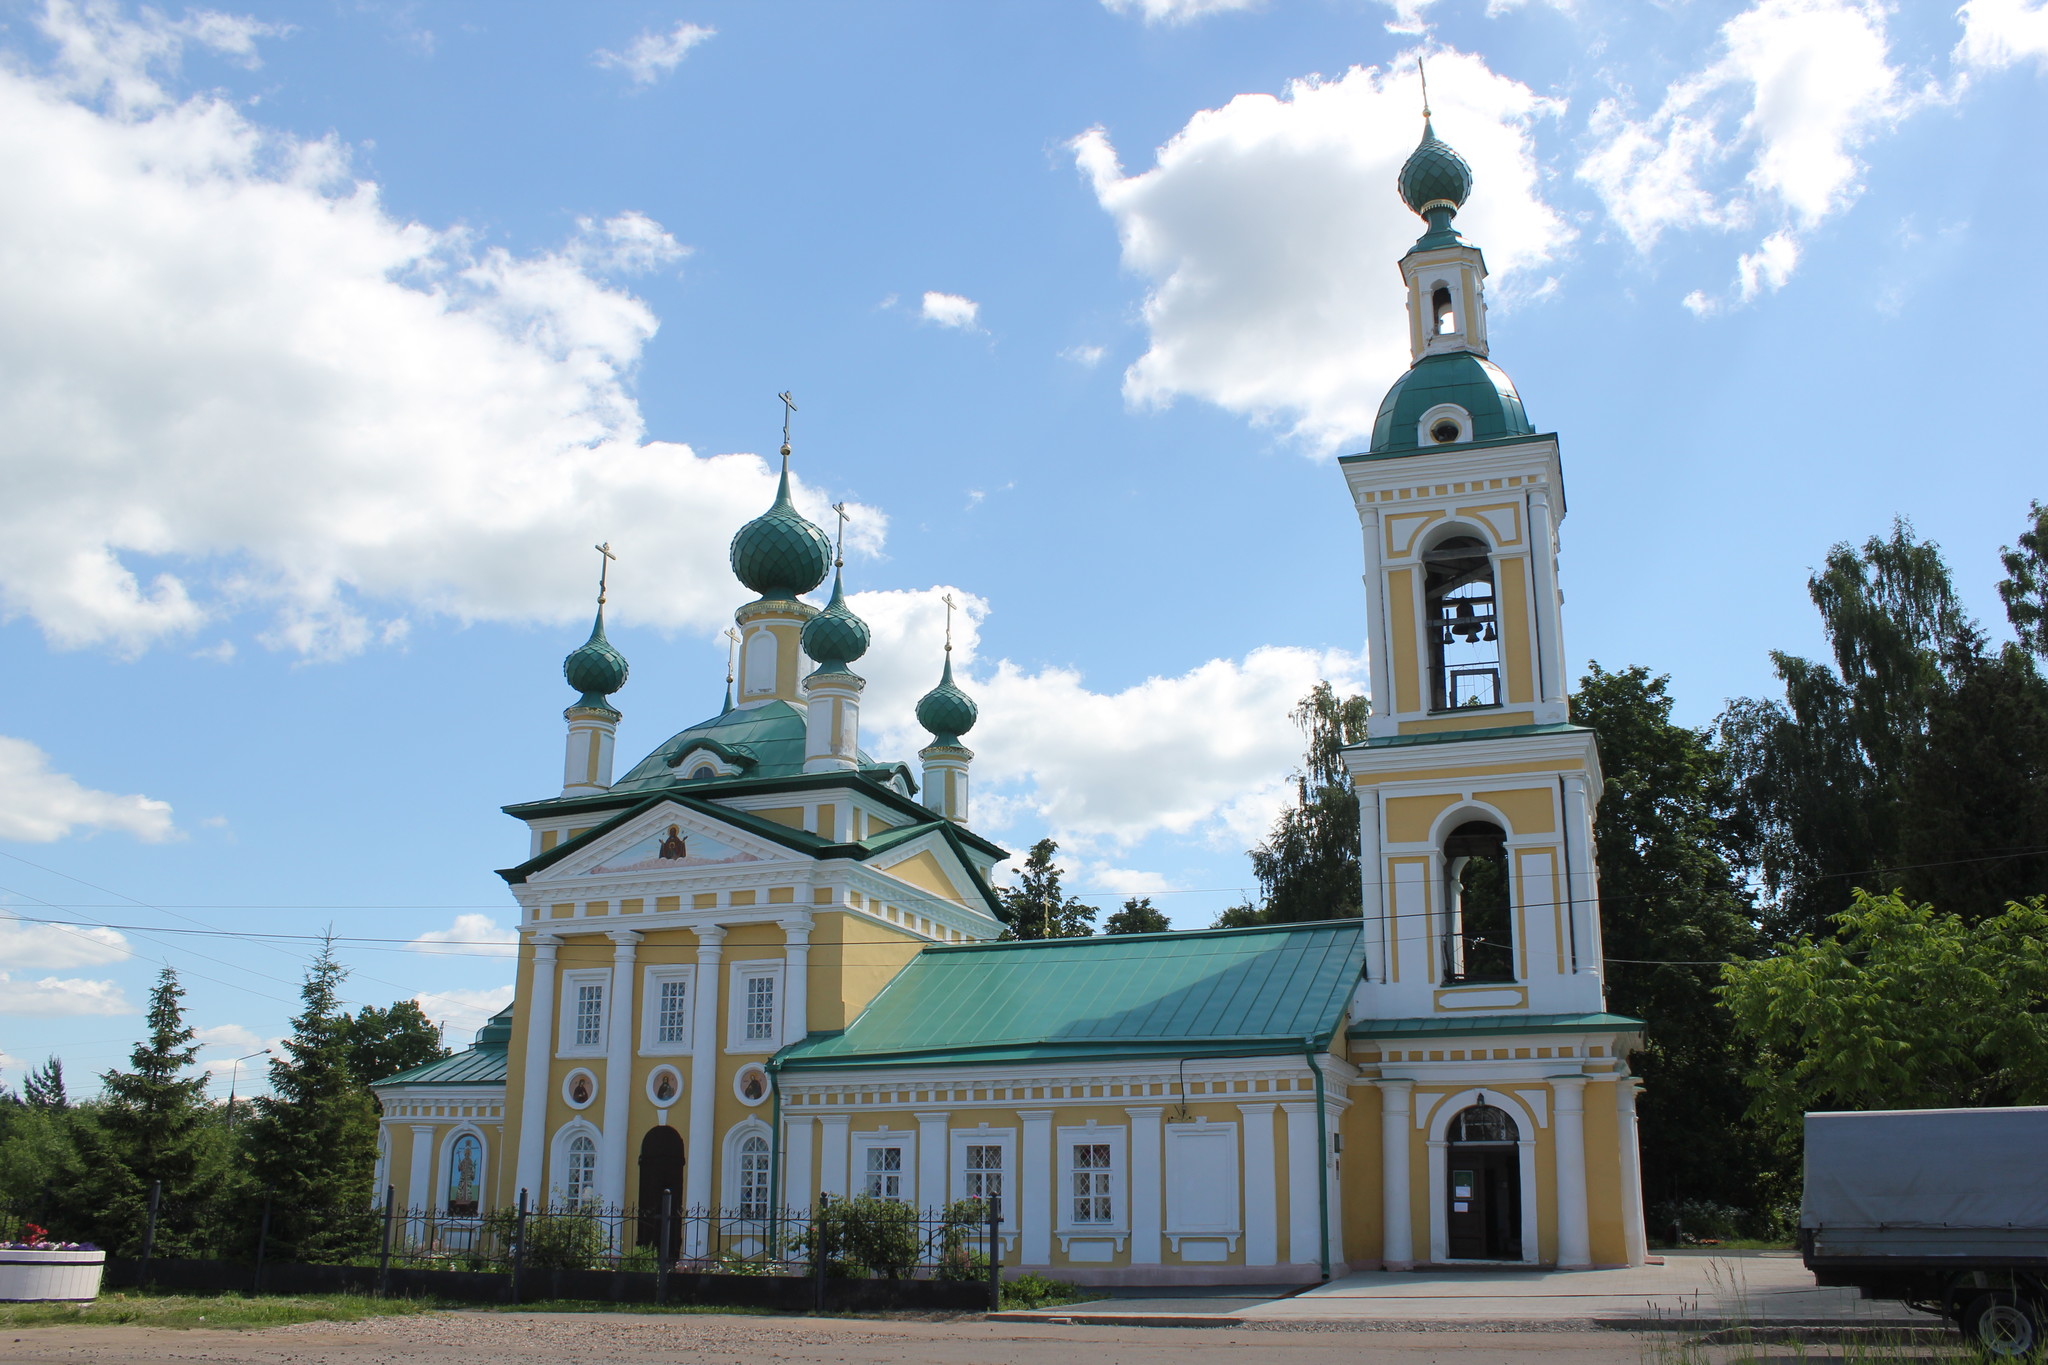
(948, 600)
(839, 546)
(732, 642)
(604, 568)
(788, 410)
(1423, 72)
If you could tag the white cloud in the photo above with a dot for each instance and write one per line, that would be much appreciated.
(479, 934)
(61, 997)
(58, 945)
(230, 1039)
(1769, 130)
(1087, 357)
(2002, 33)
(1177, 11)
(39, 805)
(651, 56)
(950, 310)
(1267, 232)
(1410, 16)
(463, 1012)
(221, 357)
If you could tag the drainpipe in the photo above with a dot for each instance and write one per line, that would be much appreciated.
(1322, 1153)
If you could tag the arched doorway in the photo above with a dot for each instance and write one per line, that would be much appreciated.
(661, 1169)
(1483, 1204)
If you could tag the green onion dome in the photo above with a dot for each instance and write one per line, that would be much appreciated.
(779, 554)
(595, 668)
(1434, 175)
(835, 637)
(946, 711)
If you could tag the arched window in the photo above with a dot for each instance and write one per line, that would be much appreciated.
(1460, 616)
(1484, 1123)
(1443, 311)
(580, 1183)
(1479, 935)
(465, 1175)
(753, 1201)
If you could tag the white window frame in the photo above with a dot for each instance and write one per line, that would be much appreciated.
(651, 1044)
(736, 1039)
(565, 1031)
(1006, 1140)
(1179, 1179)
(736, 1140)
(1119, 1224)
(904, 1139)
(558, 1165)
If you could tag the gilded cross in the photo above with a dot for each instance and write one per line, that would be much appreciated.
(839, 548)
(1423, 72)
(732, 643)
(948, 600)
(788, 410)
(604, 568)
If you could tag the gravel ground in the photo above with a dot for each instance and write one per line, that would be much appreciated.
(705, 1339)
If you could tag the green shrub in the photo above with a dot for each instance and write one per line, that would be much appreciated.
(964, 1226)
(861, 1237)
(554, 1241)
(1036, 1291)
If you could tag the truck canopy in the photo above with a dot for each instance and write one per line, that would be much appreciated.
(1910, 1169)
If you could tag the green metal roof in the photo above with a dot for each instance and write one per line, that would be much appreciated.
(1463, 1025)
(1471, 381)
(483, 1064)
(1272, 988)
(1458, 736)
(765, 741)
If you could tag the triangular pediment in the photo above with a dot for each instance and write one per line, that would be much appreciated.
(931, 865)
(667, 838)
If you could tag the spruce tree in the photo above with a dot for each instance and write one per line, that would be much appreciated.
(44, 1087)
(313, 1141)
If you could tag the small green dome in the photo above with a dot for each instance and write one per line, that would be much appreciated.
(1433, 173)
(595, 668)
(835, 637)
(779, 553)
(946, 711)
(1472, 382)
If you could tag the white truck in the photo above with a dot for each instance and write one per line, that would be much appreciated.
(1942, 1209)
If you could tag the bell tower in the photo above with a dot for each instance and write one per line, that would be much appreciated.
(1476, 791)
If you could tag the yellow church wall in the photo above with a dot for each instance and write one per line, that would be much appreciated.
(1603, 1177)
(1530, 810)
(503, 1177)
(1408, 818)
(852, 958)
(924, 872)
(1477, 772)
(1359, 1167)
(793, 816)
(1401, 626)
(1511, 593)
(1487, 718)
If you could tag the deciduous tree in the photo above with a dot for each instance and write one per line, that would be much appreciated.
(1137, 917)
(1037, 907)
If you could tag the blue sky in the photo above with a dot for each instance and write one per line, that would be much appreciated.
(333, 335)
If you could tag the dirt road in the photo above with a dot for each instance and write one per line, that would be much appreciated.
(513, 1338)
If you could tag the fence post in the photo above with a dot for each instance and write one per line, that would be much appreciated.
(661, 1246)
(519, 1247)
(384, 1255)
(262, 1243)
(818, 1252)
(995, 1259)
(156, 1194)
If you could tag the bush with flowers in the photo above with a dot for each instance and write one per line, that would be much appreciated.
(34, 1238)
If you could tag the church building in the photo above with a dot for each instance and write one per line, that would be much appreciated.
(763, 966)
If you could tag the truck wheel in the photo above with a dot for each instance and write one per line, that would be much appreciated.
(2003, 1326)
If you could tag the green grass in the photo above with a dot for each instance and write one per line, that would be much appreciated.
(606, 1306)
(191, 1310)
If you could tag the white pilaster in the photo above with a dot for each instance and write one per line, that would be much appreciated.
(533, 1077)
(419, 1190)
(1585, 889)
(1633, 1234)
(702, 1154)
(798, 1184)
(1261, 1186)
(618, 1071)
(796, 978)
(1552, 693)
(1034, 1204)
(932, 1153)
(1379, 657)
(1568, 1133)
(1372, 872)
(1148, 1211)
(834, 1150)
(1304, 1213)
(1398, 1249)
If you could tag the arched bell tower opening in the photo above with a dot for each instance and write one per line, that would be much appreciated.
(1443, 310)
(1479, 933)
(1461, 610)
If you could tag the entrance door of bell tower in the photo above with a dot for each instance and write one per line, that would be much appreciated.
(1484, 1204)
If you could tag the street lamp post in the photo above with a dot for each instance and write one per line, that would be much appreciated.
(236, 1075)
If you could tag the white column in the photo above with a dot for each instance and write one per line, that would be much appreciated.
(1550, 670)
(1034, 1203)
(1304, 1214)
(1397, 1220)
(419, 1190)
(1331, 1118)
(1261, 1186)
(796, 978)
(834, 1151)
(1439, 1180)
(533, 1078)
(797, 1181)
(1633, 1236)
(931, 1161)
(701, 1157)
(1585, 891)
(618, 1071)
(1568, 1133)
(1372, 873)
(1148, 1213)
(1379, 662)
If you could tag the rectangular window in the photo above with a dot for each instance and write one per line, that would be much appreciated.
(760, 1009)
(589, 1014)
(884, 1173)
(672, 1013)
(1094, 1193)
(753, 1005)
(984, 1175)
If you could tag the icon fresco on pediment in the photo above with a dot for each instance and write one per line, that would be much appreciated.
(670, 849)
